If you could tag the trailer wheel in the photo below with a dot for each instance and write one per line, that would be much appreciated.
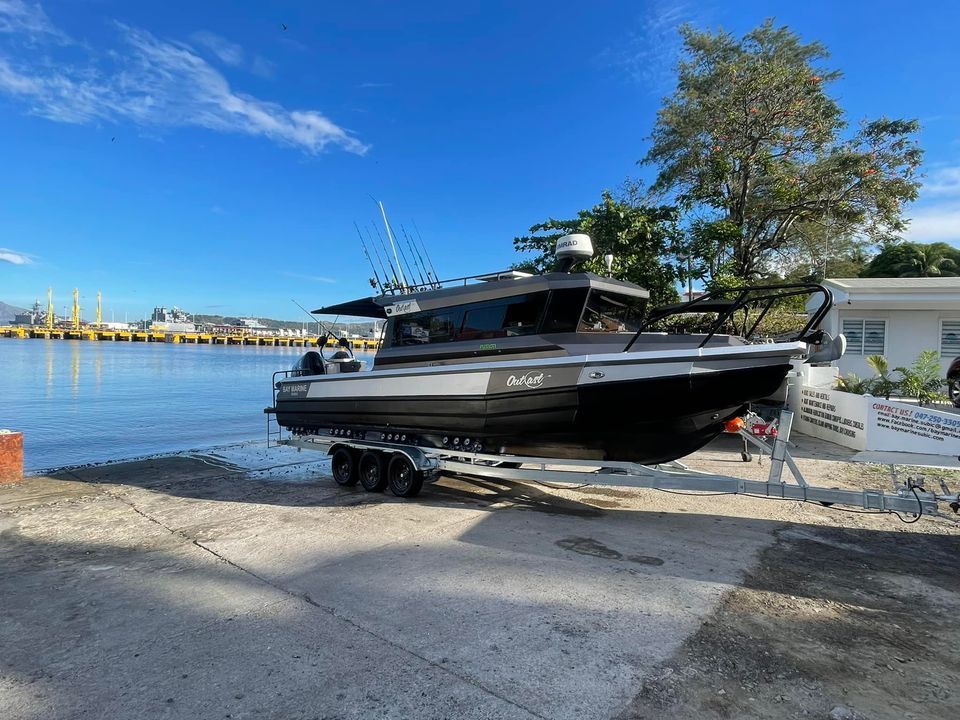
(344, 467)
(372, 476)
(405, 480)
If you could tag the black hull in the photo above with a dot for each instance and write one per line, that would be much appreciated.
(649, 420)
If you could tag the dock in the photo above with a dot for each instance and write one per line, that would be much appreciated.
(195, 338)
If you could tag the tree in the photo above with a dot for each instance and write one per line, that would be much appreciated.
(638, 236)
(915, 260)
(751, 140)
(929, 261)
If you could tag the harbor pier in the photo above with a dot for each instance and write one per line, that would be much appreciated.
(190, 338)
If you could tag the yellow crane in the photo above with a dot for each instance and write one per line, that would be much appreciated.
(76, 309)
(49, 308)
(99, 322)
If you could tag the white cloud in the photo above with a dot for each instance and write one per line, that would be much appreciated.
(29, 19)
(13, 257)
(157, 83)
(229, 53)
(935, 223)
(648, 55)
(311, 278)
(261, 67)
(943, 181)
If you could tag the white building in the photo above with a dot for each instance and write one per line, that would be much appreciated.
(894, 317)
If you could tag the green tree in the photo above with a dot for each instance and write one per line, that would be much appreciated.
(638, 236)
(929, 261)
(914, 260)
(751, 139)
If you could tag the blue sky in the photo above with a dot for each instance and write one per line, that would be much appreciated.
(200, 154)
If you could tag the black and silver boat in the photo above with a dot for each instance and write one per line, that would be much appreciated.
(565, 365)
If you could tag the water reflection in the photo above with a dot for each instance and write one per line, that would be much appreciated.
(131, 399)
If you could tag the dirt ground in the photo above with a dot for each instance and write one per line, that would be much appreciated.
(857, 617)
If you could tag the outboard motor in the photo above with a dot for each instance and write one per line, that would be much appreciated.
(311, 363)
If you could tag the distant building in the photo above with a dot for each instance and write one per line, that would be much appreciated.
(174, 320)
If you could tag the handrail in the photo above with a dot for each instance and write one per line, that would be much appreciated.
(745, 298)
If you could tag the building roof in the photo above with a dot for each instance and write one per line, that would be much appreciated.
(887, 284)
(941, 293)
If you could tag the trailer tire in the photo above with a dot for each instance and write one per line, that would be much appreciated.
(344, 467)
(372, 476)
(405, 480)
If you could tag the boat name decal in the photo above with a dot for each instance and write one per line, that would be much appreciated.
(296, 388)
(529, 380)
(402, 308)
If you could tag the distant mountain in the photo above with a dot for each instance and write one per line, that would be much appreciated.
(8, 311)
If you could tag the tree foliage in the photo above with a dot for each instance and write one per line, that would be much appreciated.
(638, 236)
(751, 140)
(915, 260)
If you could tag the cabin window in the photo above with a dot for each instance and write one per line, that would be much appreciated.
(610, 312)
(505, 317)
(427, 327)
(564, 310)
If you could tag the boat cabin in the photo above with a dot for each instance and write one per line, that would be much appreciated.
(508, 313)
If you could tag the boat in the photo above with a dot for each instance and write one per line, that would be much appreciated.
(566, 364)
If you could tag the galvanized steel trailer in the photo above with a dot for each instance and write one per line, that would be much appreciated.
(404, 468)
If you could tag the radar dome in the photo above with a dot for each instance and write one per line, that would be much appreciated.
(572, 249)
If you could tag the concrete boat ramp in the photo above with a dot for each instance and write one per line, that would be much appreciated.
(243, 583)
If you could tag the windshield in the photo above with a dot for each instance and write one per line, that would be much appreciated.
(609, 312)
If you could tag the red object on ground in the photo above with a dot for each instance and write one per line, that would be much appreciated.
(11, 457)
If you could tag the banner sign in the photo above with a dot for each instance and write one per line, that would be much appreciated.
(833, 415)
(899, 427)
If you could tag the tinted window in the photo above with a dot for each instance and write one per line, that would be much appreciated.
(564, 310)
(506, 317)
(609, 312)
(427, 327)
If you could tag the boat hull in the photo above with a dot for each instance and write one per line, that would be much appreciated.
(619, 407)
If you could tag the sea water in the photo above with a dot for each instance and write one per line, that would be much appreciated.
(80, 402)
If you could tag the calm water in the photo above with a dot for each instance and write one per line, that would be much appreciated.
(79, 402)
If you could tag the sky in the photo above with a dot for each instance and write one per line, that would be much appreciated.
(216, 155)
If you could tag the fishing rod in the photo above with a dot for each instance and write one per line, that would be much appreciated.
(366, 254)
(376, 252)
(396, 242)
(426, 253)
(397, 283)
(319, 323)
(414, 256)
(393, 247)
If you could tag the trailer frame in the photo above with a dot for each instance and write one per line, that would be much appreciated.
(784, 480)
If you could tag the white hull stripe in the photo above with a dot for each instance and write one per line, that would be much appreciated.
(700, 357)
(481, 381)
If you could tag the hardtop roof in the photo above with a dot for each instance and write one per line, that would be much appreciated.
(375, 306)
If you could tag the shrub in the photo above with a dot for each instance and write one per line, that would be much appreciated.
(923, 379)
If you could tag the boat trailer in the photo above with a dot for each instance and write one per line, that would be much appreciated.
(378, 460)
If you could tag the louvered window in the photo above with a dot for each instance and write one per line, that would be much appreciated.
(950, 338)
(865, 337)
